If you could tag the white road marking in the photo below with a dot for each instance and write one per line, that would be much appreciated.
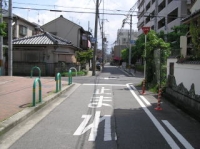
(98, 102)
(94, 127)
(109, 78)
(106, 84)
(145, 100)
(107, 128)
(167, 137)
(82, 125)
(103, 89)
(185, 143)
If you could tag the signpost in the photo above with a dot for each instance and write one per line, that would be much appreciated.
(145, 31)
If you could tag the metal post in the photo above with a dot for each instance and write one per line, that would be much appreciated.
(40, 91)
(103, 39)
(155, 15)
(95, 36)
(102, 47)
(10, 57)
(130, 43)
(70, 77)
(58, 82)
(145, 57)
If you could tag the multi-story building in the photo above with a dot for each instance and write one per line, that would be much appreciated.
(161, 14)
(123, 41)
(123, 37)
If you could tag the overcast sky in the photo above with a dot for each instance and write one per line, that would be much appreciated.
(111, 22)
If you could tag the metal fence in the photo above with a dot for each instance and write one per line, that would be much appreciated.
(47, 69)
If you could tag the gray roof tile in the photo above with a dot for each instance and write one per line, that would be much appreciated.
(42, 39)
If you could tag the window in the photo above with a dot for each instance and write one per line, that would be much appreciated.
(123, 40)
(172, 15)
(22, 30)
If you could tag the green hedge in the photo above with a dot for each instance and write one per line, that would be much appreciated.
(79, 73)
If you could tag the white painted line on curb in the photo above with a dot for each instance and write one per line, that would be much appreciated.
(164, 133)
(185, 143)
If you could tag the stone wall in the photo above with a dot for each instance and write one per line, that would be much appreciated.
(183, 98)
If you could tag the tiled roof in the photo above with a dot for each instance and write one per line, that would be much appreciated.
(42, 39)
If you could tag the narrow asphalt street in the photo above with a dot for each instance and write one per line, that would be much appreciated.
(105, 111)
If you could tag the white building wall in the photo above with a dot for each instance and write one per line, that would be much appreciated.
(196, 6)
(186, 74)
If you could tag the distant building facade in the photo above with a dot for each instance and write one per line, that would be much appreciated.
(123, 41)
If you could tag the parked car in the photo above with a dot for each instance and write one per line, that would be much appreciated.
(98, 66)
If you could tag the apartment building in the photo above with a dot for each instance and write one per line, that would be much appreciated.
(161, 15)
(123, 36)
(123, 41)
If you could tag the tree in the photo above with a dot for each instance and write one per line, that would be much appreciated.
(136, 51)
(154, 43)
(124, 54)
(84, 56)
(174, 37)
(195, 34)
(2, 29)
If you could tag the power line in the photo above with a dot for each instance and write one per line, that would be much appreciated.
(57, 10)
(65, 7)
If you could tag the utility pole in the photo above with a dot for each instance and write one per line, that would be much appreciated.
(1, 40)
(103, 39)
(129, 63)
(95, 36)
(156, 14)
(10, 58)
(102, 46)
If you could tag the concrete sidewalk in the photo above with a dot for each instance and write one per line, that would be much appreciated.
(16, 94)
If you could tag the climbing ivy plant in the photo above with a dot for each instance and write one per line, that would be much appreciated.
(195, 34)
(154, 43)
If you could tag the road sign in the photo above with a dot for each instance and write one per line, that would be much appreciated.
(93, 40)
(132, 41)
(146, 30)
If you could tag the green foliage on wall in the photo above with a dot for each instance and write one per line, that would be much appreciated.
(195, 34)
(153, 43)
(2, 29)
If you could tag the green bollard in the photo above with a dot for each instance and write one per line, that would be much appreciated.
(35, 67)
(69, 77)
(40, 91)
(58, 81)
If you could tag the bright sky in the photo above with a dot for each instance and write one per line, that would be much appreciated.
(111, 22)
